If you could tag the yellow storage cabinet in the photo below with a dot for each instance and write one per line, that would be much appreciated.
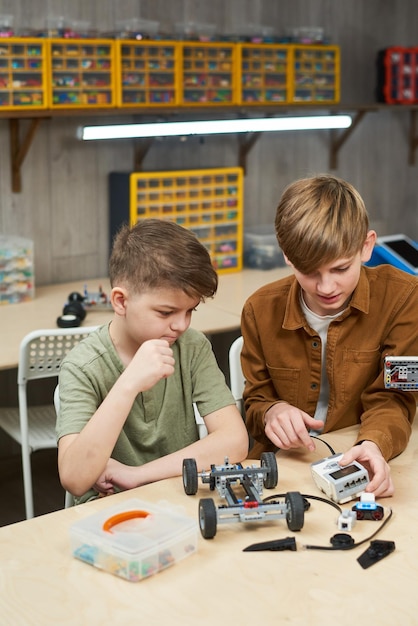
(82, 73)
(23, 74)
(264, 74)
(315, 74)
(148, 73)
(208, 202)
(209, 74)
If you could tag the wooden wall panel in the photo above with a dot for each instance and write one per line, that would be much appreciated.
(64, 202)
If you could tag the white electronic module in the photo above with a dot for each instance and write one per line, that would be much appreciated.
(340, 483)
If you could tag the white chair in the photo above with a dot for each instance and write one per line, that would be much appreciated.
(33, 427)
(236, 377)
(237, 383)
(69, 498)
(201, 426)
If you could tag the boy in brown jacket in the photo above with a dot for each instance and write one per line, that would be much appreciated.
(314, 342)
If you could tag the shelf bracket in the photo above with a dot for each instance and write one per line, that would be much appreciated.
(19, 148)
(245, 145)
(339, 139)
(413, 136)
(141, 151)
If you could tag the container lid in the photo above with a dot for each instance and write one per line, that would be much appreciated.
(134, 526)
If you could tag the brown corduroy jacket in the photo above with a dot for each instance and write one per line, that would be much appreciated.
(281, 357)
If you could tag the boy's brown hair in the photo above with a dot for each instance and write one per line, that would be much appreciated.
(319, 220)
(158, 253)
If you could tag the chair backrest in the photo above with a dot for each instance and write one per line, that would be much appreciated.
(237, 380)
(42, 351)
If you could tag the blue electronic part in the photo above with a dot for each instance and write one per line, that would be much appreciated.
(367, 508)
(397, 250)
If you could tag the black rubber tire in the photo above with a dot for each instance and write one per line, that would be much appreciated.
(68, 321)
(268, 460)
(190, 476)
(75, 308)
(207, 518)
(295, 515)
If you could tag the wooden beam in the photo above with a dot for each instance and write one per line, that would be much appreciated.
(246, 142)
(413, 137)
(141, 150)
(338, 139)
(19, 149)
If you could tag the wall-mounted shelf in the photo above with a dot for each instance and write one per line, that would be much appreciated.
(21, 138)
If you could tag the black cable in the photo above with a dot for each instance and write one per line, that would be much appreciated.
(325, 442)
(322, 441)
(307, 497)
(353, 545)
(342, 546)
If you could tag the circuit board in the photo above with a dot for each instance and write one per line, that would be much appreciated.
(401, 372)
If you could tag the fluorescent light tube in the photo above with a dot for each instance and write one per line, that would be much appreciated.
(215, 127)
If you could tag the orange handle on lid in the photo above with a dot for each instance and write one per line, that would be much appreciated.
(122, 517)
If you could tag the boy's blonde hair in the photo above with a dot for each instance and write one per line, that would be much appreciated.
(161, 254)
(320, 220)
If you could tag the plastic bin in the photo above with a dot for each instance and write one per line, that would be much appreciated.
(17, 282)
(261, 249)
(134, 539)
(209, 202)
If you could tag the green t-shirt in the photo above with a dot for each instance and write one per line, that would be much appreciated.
(162, 419)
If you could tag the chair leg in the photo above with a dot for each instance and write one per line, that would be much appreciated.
(27, 482)
(26, 452)
(69, 500)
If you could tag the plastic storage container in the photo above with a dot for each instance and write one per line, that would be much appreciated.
(265, 74)
(23, 73)
(397, 71)
(148, 75)
(209, 74)
(17, 283)
(316, 74)
(134, 539)
(82, 73)
(209, 202)
(261, 249)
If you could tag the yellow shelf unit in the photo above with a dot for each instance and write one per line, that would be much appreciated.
(209, 74)
(148, 73)
(264, 74)
(23, 74)
(82, 73)
(208, 202)
(315, 74)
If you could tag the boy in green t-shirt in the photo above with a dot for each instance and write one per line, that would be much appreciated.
(127, 391)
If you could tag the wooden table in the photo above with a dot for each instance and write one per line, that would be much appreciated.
(41, 584)
(217, 315)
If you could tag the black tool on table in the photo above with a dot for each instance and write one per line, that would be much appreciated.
(289, 543)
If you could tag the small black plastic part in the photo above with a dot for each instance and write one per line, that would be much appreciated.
(68, 321)
(306, 504)
(75, 297)
(376, 552)
(75, 308)
(342, 541)
(289, 543)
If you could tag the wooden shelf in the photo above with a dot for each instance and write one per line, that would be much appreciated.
(21, 138)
